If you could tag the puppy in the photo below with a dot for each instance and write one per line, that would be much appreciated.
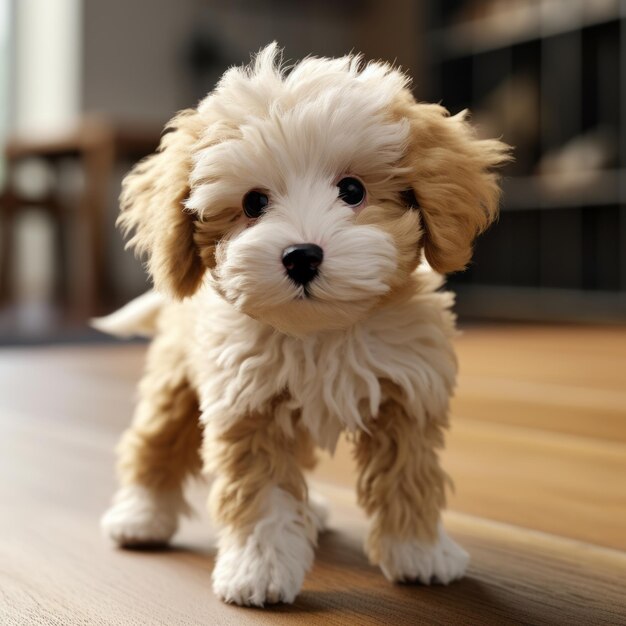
(283, 222)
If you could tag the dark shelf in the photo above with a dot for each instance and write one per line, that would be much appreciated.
(549, 79)
(540, 304)
(586, 189)
(511, 29)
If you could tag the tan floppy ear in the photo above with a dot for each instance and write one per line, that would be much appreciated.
(452, 177)
(152, 209)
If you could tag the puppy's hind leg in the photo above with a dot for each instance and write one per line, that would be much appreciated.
(157, 453)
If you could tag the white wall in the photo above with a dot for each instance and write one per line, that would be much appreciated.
(46, 67)
(5, 24)
(122, 58)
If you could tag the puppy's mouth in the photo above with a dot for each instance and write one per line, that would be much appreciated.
(305, 293)
(304, 289)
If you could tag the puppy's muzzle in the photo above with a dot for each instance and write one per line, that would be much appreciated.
(302, 262)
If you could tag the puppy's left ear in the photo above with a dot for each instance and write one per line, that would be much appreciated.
(152, 208)
(453, 179)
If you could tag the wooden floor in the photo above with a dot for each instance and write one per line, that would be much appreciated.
(537, 451)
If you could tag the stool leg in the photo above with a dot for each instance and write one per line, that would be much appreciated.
(98, 163)
(7, 213)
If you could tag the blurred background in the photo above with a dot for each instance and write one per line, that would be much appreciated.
(86, 86)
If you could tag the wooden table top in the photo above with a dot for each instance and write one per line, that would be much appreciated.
(62, 409)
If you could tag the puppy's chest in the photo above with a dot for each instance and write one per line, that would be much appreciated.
(330, 382)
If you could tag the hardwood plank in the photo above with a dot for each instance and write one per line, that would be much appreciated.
(64, 382)
(560, 484)
(56, 569)
(569, 409)
(590, 357)
(565, 379)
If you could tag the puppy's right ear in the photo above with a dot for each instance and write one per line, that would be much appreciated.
(455, 182)
(152, 209)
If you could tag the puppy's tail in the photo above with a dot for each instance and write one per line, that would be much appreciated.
(137, 318)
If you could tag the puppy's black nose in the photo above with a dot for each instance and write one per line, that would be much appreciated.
(302, 261)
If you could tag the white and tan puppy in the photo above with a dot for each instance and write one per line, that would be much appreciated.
(283, 222)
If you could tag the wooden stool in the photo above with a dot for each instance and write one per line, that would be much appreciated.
(97, 145)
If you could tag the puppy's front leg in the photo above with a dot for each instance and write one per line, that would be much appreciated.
(401, 486)
(260, 499)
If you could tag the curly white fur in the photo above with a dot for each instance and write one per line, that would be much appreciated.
(269, 565)
(416, 561)
(141, 516)
(333, 378)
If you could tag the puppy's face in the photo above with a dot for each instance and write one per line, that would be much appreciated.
(310, 196)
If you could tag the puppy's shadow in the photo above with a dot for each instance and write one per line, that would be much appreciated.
(338, 549)
(198, 552)
(343, 582)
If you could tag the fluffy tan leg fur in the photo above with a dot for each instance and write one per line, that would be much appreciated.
(249, 459)
(401, 485)
(162, 446)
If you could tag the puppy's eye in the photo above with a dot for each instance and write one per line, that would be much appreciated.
(254, 203)
(351, 191)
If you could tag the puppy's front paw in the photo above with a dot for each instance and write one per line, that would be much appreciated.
(256, 574)
(415, 561)
(269, 564)
(141, 516)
